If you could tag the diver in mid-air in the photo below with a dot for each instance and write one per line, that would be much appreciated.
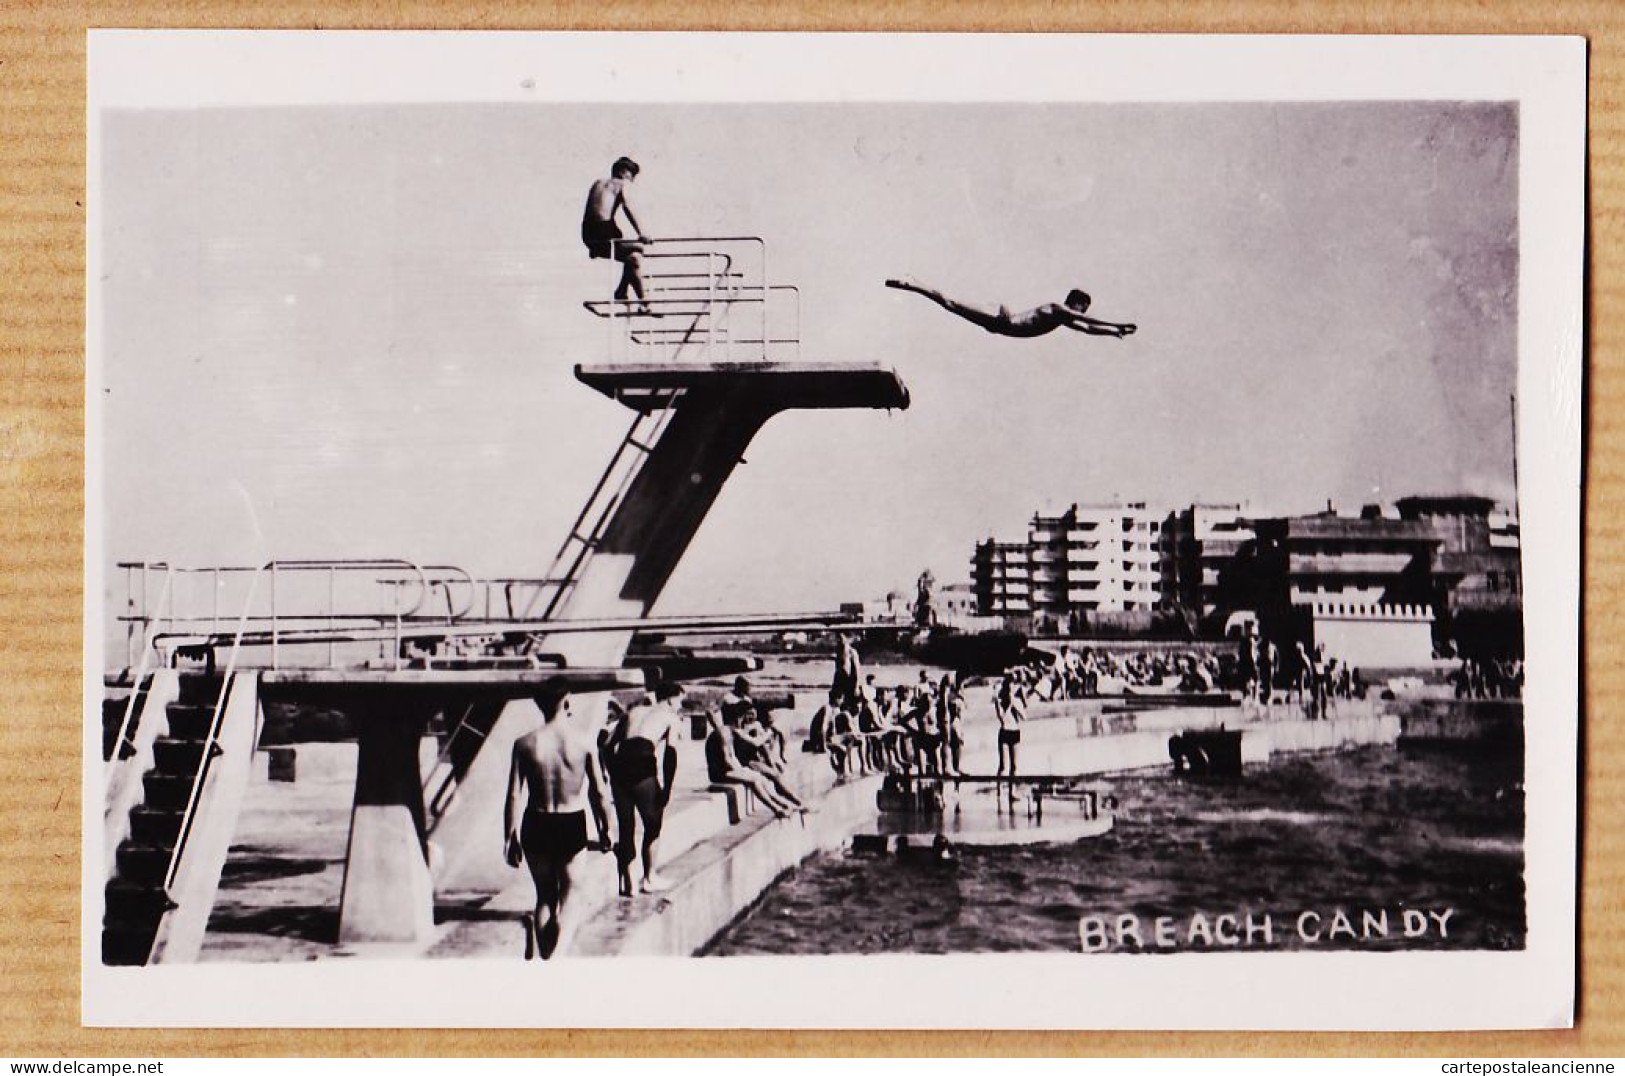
(1035, 322)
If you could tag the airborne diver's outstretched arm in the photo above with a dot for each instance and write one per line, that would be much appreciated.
(1094, 327)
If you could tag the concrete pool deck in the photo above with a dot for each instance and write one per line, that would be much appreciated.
(279, 897)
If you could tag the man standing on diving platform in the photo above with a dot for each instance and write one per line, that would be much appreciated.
(603, 237)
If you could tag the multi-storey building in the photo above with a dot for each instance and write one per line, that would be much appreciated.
(1446, 568)
(1362, 559)
(1355, 585)
(1100, 558)
(1476, 575)
(1366, 581)
(1198, 545)
(1001, 578)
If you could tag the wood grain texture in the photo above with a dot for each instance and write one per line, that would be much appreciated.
(42, 133)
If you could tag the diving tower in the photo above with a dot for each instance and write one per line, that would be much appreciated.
(702, 368)
(707, 414)
(691, 425)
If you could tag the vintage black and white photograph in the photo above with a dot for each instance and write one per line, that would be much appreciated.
(707, 530)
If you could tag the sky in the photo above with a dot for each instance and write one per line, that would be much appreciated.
(350, 330)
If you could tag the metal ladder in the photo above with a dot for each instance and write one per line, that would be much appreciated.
(588, 529)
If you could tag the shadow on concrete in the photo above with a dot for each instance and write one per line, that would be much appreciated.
(312, 923)
(254, 868)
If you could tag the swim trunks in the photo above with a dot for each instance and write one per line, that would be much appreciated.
(1009, 737)
(1025, 323)
(735, 709)
(555, 837)
(634, 761)
(598, 236)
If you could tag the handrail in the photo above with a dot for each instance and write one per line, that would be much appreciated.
(403, 574)
(657, 421)
(328, 564)
(735, 287)
(567, 580)
(209, 744)
(445, 584)
(141, 671)
(668, 625)
(436, 803)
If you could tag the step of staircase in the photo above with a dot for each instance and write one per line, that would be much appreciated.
(131, 903)
(143, 864)
(199, 690)
(189, 721)
(176, 756)
(152, 826)
(167, 792)
(128, 945)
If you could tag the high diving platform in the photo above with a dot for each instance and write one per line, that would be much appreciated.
(800, 385)
(435, 650)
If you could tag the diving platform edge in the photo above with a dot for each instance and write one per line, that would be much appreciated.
(817, 385)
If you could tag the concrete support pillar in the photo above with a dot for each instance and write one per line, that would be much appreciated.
(388, 895)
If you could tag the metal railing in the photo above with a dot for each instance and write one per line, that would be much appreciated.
(475, 614)
(409, 588)
(171, 622)
(698, 281)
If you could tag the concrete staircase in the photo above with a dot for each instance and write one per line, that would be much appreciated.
(158, 897)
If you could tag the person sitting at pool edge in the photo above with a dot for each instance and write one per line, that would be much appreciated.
(724, 768)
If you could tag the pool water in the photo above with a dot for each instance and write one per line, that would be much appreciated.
(1375, 849)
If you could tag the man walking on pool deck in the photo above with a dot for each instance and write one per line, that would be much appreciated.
(1025, 323)
(642, 764)
(603, 237)
(555, 769)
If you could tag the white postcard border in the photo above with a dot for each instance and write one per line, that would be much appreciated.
(1392, 991)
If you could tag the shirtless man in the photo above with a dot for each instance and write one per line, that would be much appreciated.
(843, 688)
(553, 777)
(925, 719)
(642, 764)
(1025, 323)
(603, 237)
(1008, 703)
(724, 768)
(841, 736)
(753, 747)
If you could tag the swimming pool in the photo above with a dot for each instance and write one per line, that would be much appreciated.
(1378, 848)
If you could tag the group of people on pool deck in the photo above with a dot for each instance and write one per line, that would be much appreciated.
(903, 729)
(564, 769)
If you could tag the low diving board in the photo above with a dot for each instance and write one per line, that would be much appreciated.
(779, 385)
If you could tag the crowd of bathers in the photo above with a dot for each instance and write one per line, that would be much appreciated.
(1081, 674)
(1306, 677)
(1496, 678)
(906, 728)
